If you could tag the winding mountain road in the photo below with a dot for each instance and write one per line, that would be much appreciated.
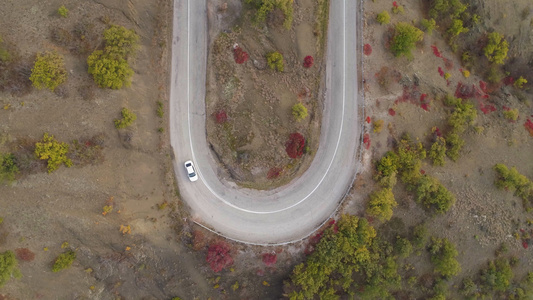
(288, 213)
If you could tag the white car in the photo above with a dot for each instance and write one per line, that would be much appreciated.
(191, 172)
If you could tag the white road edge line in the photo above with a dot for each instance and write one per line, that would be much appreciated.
(189, 121)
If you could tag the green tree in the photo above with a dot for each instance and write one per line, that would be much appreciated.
(62, 11)
(8, 267)
(64, 261)
(443, 257)
(496, 48)
(437, 153)
(381, 204)
(433, 195)
(299, 111)
(404, 39)
(120, 41)
(48, 71)
(275, 61)
(128, 117)
(8, 167)
(403, 247)
(109, 70)
(53, 151)
(383, 17)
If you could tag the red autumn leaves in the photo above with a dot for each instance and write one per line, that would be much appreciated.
(240, 55)
(308, 61)
(295, 145)
(218, 256)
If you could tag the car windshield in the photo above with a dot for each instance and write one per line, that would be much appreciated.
(192, 174)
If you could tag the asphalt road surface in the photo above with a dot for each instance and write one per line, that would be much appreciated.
(288, 213)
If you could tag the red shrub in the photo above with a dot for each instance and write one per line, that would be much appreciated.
(240, 55)
(295, 145)
(221, 116)
(366, 140)
(269, 259)
(441, 72)
(392, 112)
(508, 80)
(529, 126)
(274, 172)
(394, 4)
(436, 51)
(308, 61)
(448, 63)
(368, 120)
(218, 257)
(25, 254)
(367, 49)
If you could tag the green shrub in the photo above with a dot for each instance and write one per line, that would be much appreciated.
(53, 151)
(264, 7)
(8, 167)
(497, 276)
(404, 39)
(275, 61)
(120, 41)
(299, 111)
(410, 157)
(450, 100)
(387, 165)
(403, 247)
(398, 9)
(455, 143)
(511, 115)
(462, 116)
(494, 74)
(160, 109)
(496, 48)
(109, 70)
(456, 28)
(443, 257)
(519, 83)
(420, 236)
(4, 54)
(437, 153)
(469, 287)
(511, 180)
(428, 25)
(62, 11)
(48, 71)
(383, 17)
(128, 117)
(8, 267)
(433, 195)
(381, 204)
(64, 261)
